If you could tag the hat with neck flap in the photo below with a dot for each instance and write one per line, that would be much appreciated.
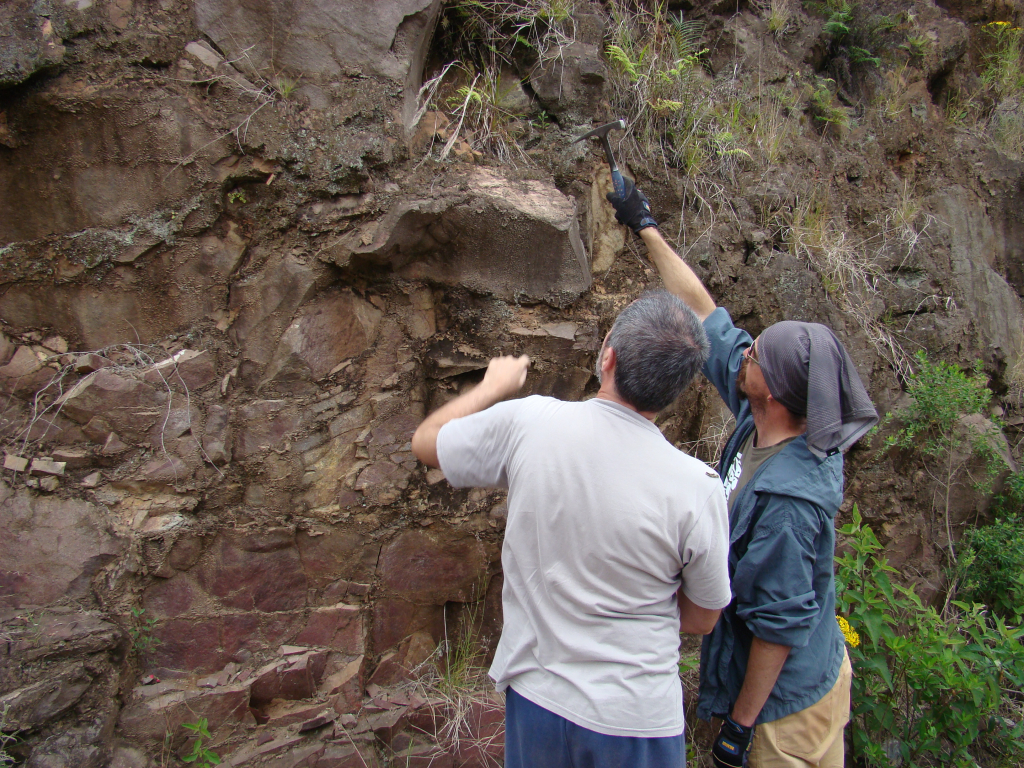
(808, 370)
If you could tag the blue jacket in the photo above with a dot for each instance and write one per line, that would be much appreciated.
(781, 549)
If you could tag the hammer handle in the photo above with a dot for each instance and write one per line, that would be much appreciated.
(617, 183)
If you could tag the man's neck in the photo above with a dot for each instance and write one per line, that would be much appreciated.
(769, 431)
(612, 396)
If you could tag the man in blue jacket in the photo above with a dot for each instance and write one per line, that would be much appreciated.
(775, 669)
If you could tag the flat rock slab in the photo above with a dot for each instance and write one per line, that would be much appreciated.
(493, 235)
(53, 546)
(317, 38)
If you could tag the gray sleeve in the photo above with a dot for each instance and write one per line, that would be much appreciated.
(705, 555)
(473, 451)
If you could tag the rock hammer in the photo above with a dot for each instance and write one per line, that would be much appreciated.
(617, 183)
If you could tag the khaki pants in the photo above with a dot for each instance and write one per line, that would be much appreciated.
(811, 737)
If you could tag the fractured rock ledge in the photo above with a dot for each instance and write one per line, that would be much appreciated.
(511, 239)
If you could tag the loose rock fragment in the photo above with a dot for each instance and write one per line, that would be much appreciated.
(46, 467)
(16, 463)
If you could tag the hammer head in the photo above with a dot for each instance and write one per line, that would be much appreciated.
(602, 131)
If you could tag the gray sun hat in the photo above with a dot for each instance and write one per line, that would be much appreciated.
(808, 370)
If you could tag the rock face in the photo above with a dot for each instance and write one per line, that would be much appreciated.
(448, 238)
(28, 43)
(236, 273)
(55, 547)
(309, 39)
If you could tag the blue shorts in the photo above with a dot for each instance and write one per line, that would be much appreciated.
(537, 738)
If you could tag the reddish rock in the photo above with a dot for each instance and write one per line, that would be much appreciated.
(435, 567)
(65, 634)
(129, 406)
(178, 419)
(24, 374)
(172, 597)
(351, 420)
(7, 349)
(419, 752)
(264, 423)
(89, 362)
(258, 571)
(388, 724)
(326, 332)
(290, 679)
(33, 705)
(186, 552)
(392, 434)
(401, 664)
(349, 756)
(217, 435)
(22, 363)
(283, 713)
(192, 645)
(395, 619)
(73, 458)
(336, 554)
(266, 303)
(482, 743)
(113, 445)
(383, 474)
(345, 687)
(145, 721)
(52, 547)
(188, 368)
(338, 627)
(165, 469)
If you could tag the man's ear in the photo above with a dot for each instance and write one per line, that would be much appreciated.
(608, 361)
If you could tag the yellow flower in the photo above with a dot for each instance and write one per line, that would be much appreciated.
(999, 24)
(851, 635)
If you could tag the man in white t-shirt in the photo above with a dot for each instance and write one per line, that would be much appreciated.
(616, 541)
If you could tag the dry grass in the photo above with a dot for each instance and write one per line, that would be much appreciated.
(454, 682)
(850, 273)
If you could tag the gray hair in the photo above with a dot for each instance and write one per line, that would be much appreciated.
(660, 345)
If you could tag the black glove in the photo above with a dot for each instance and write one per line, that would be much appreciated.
(732, 745)
(632, 209)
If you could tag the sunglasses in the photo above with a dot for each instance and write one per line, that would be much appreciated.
(751, 354)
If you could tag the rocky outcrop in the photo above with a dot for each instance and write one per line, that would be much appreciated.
(55, 548)
(448, 238)
(236, 273)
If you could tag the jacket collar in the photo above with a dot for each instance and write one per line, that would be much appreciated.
(797, 472)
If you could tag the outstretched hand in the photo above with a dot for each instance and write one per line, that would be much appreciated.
(506, 375)
(632, 208)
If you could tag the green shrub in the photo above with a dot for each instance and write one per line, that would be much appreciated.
(932, 428)
(928, 688)
(992, 566)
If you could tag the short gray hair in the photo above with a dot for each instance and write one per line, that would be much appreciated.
(660, 345)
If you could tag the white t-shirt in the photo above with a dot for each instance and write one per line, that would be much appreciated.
(605, 521)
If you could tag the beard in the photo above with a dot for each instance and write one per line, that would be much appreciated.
(741, 380)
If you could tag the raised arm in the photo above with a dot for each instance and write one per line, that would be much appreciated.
(679, 279)
(633, 210)
(505, 376)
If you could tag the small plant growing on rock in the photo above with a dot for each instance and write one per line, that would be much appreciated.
(933, 428)
(285, 86)
(824, 110)
(141, 632)
(200, 756)
(237, 197)
(5, 739)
